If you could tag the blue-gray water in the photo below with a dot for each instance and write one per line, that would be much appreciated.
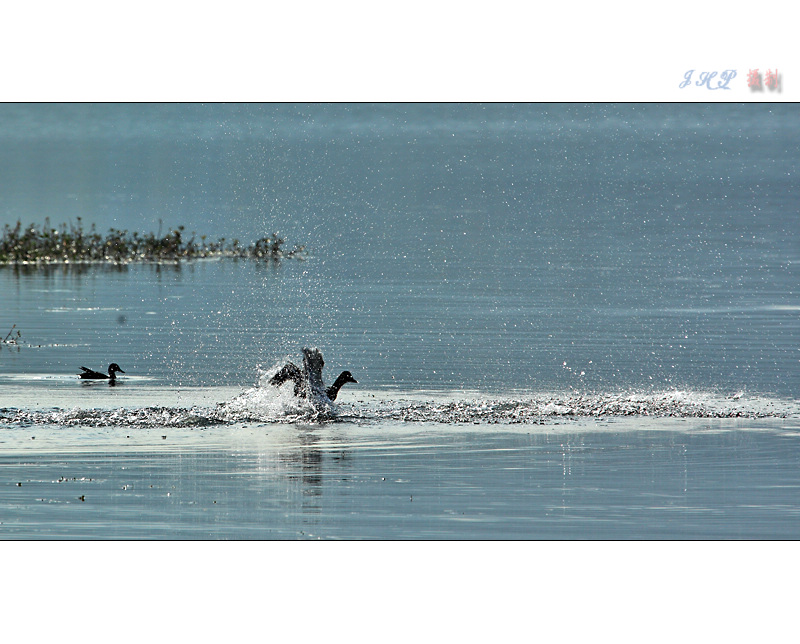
(566, 322)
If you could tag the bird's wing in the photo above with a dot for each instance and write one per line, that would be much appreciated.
(312, 364)
(93, 373)
(289, 371)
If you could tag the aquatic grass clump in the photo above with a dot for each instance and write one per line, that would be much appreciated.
(14, 339)
(69, 243)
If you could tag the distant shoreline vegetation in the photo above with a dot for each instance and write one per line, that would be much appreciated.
(70, 244)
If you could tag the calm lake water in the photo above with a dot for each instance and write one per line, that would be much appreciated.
(566, 322)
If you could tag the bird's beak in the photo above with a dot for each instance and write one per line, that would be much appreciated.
(121, 371)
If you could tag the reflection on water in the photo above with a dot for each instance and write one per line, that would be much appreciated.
(307, 460)
(636, 479)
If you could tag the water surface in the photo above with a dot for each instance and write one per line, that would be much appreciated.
(566, 322)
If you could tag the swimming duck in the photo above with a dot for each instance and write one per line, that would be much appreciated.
(309, 378)
(89, 374)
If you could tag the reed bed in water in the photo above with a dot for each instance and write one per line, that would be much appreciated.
(69, 243)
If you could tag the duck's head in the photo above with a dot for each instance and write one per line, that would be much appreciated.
(343, 378)
(114, 367)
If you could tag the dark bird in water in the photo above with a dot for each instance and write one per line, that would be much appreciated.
(309, 378)
(89, 374)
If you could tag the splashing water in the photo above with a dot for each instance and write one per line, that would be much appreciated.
(265, 402)
(268, 404)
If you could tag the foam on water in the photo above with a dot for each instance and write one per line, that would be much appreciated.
(543, 407)
(279, 405)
